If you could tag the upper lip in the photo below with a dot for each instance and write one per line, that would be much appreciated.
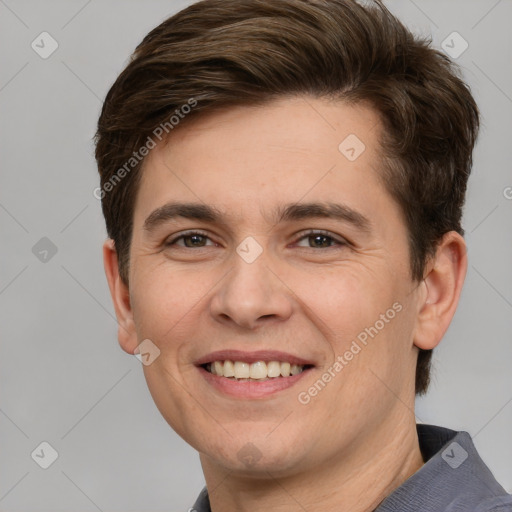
(252, 357)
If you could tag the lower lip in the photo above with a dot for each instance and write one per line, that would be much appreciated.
(251, 389)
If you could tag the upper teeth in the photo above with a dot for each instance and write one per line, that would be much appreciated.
(257, 370)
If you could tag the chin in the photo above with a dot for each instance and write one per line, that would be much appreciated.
(257, 458)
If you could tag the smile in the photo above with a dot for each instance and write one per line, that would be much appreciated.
(252, 375)
(258, 371)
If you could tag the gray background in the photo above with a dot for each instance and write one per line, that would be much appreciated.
(63, 377)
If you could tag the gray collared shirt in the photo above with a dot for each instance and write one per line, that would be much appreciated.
(453, 479)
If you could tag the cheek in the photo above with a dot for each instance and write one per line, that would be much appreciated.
(365, 320)
(345, 300)
(165, 307)
(165, 300)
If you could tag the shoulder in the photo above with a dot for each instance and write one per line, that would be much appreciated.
(496, 504)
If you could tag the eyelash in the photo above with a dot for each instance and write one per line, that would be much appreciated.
(186, 234)
(312, 232)
(319, 232)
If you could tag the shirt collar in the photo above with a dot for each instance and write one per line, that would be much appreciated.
(454, 477)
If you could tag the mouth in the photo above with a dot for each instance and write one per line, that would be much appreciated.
(258, 371)
(250, 375)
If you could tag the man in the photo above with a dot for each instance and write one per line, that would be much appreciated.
(282, 183)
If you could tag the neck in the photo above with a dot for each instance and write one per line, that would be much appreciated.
(358, 482)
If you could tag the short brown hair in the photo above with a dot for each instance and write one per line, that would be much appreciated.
(216, 54)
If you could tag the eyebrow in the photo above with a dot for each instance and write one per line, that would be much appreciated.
(299, 211)
(289, 212)
(170, 211)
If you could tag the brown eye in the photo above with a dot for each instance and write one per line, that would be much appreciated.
(320, 240)
(190, 240)
(194, 240)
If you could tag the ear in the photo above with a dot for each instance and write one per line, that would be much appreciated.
(126, 333)
(441, 291)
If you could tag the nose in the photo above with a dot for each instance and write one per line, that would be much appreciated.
(251, 294)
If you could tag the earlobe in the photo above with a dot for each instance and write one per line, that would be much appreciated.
(442, 287)
(119, 292)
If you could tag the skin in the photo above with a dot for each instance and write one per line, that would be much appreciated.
(355, 441)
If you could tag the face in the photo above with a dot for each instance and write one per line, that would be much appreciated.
(265, 238)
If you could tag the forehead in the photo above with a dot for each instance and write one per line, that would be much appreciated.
(248, 160)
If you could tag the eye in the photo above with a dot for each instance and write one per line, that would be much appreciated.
(190, 240)
(320, 240)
